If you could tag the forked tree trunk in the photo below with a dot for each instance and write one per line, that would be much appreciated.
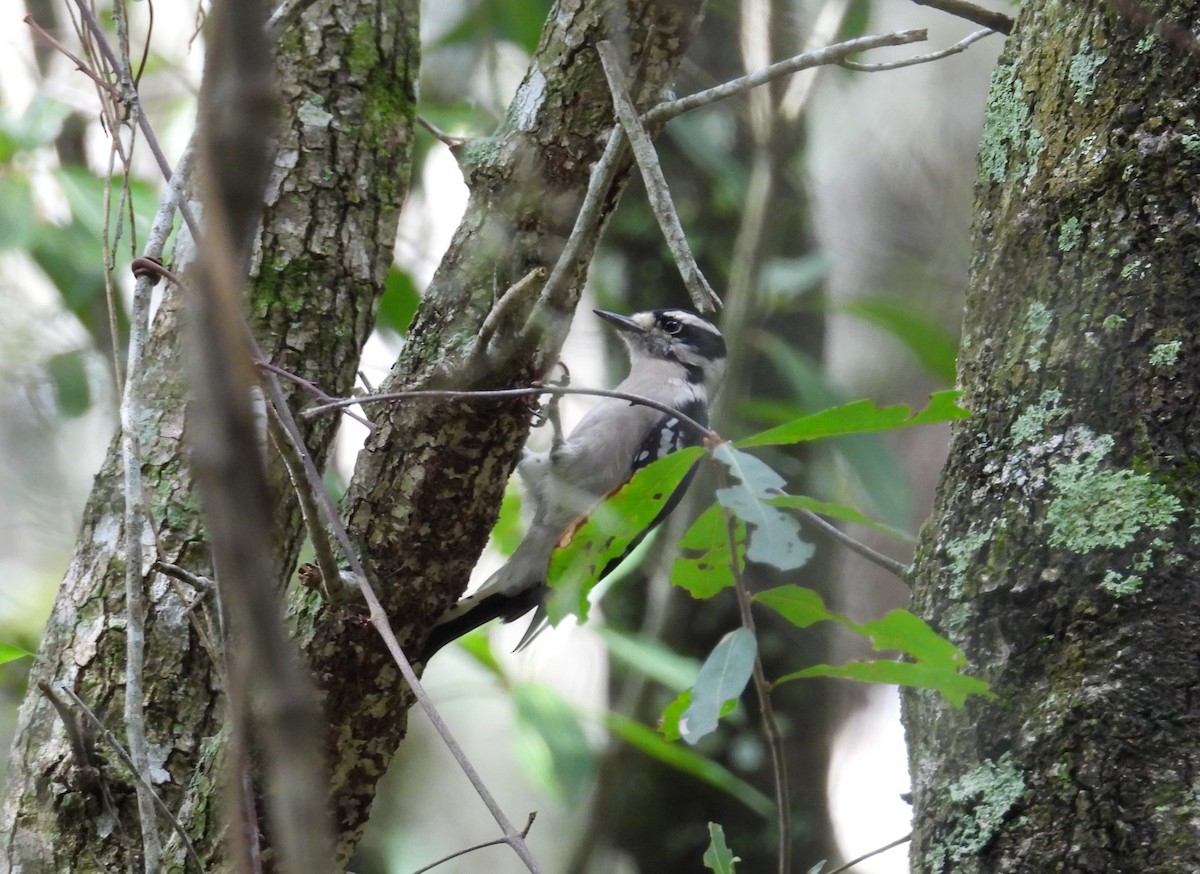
(1062, 554)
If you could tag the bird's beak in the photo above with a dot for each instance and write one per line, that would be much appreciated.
(621, 323)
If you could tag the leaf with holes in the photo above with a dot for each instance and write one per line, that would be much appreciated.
(608, 531)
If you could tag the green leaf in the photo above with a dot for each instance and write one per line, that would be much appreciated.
(705, 563)
(859, 417)
(722, 678)
(72, 392)
(718, 857)
(799, 606)
(912, 635)
(18, 220)
(399, 302)
(651, 658)
(934, 348)
(609, 529)
(571, 764)
(936, 662)
(10, 653)
(668, 720)
(775, 539)
(954, 686)
(838, 511)
(688, 762)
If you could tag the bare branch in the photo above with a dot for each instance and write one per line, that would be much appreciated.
(472, 849)
(533, 391)
(959, 46)
(834, 54)
(657, 191)
(996, 21)
(853, 862)
(899, 569)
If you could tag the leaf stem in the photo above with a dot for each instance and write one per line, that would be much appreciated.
(762, 689)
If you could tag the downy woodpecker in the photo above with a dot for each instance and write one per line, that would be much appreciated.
(675, 358)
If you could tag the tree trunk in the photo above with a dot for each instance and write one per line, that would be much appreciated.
(1060, 555)
(328, 230)
(428, 484)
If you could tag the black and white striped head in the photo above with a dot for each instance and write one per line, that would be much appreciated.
(678, 336)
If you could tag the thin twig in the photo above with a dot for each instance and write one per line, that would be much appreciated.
(290, 453)
(200, 583)
(657, 191)
(80, 65)
(959, 46)
(132, 99)
(493, 394)
(600, 183)
(833, 54)
(762, 690)
(842, 868)
(512, 295)
(379, 618)
(997, 21)
(472, 849)
(135, 524)
(899, 569)
(313, 389)
(127, 760)
(449, 140)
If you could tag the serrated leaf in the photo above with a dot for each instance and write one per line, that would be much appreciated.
(775, 537)
(722, 678)
(10, 653)
(859, 417)
(609, 529)
(687, 762)
(705, 563)
(571, 763)
(799, 606)
(718, 857)
(954, 686)
(838, 511)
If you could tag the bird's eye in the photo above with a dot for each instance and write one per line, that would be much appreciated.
(671, 326)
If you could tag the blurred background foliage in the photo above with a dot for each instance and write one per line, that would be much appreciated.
(832, 212)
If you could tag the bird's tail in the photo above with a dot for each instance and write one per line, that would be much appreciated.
(511, 592)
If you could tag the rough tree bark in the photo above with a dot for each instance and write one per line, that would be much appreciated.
(1062, 554)
(428, 483)
(346, 73)
(430, 479)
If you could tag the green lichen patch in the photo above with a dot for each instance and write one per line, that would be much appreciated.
(962, 553)
(1098, 508)
(1030, 425)
(1118, 584)
(1166, 354)
(1112, 322)
(980, 801)
(1069, 234)
(1006, 123)
(1038, 319)
(1081, 73)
